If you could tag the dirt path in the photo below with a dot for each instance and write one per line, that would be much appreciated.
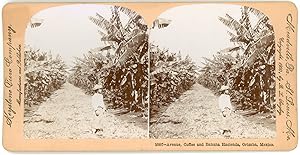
(68, 114)
(196, 115)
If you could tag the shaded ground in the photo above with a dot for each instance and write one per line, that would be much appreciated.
(196, 115)
(68, 114)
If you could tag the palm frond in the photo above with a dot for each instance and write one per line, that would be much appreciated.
(232, 24)
(130, 13)
(130, 46)
(102, 22)
(257, 13)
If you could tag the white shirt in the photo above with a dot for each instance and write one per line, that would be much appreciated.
(97, 101)
(224, 102)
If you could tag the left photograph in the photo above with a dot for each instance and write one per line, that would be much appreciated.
(86, 73)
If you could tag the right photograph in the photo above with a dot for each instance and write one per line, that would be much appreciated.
(212, 73)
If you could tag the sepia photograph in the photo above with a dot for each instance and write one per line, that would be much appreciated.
(212, 73)
(199, 71)
(86, 73)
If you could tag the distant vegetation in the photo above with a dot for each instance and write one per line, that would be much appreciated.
(43, 75)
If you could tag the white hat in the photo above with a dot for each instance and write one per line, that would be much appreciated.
(224, 88)
(97, 86)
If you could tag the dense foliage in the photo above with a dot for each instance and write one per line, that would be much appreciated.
(249, 67)
(171, 75)
(121, 65)
(43, 75)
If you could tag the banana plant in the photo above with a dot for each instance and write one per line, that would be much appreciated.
(123, 70)
(250, 72)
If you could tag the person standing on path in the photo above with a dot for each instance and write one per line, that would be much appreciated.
(226, 108)
(98, 107)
